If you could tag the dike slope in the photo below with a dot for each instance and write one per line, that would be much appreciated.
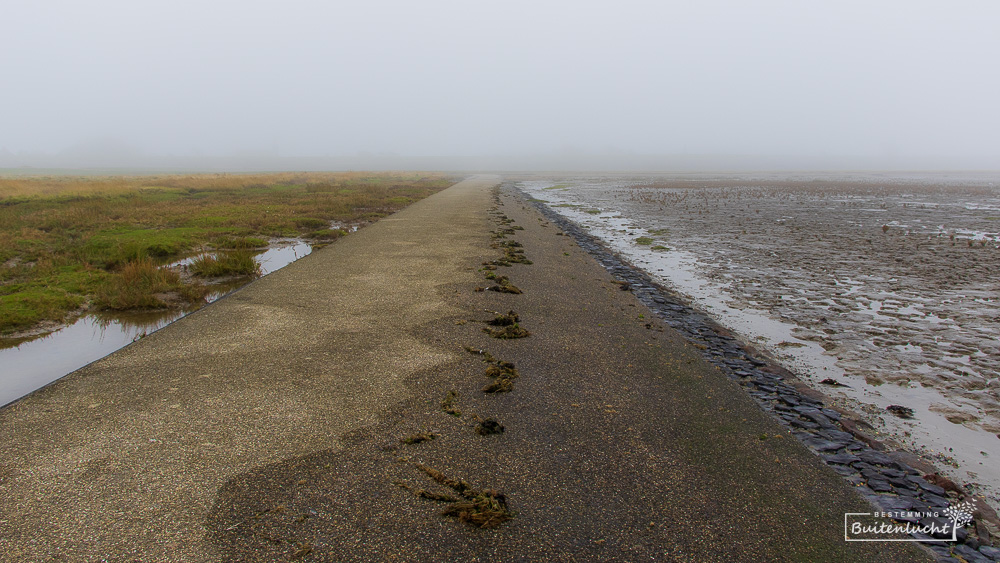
(329, 412)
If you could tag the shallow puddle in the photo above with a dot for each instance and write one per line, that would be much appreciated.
(35, 363)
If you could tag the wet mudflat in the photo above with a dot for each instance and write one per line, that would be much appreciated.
(883, 284)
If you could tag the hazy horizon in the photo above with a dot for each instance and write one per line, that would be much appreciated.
(583, 85)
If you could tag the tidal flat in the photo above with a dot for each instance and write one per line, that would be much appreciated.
(883, 286)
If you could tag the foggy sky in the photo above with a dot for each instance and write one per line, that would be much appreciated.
(876, 80)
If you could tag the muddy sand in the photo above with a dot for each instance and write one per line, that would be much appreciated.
(389, 395)
(885, 285)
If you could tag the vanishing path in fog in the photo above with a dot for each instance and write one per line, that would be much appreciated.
(268, 425)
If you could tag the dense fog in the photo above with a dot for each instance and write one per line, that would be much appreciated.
(530, 85)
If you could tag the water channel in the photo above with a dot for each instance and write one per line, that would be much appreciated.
(32, 364)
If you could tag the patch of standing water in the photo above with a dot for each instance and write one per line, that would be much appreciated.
(280, 256)
(36, 363)
(938, 432)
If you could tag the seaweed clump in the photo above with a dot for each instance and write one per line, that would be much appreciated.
(503, 285)
(900, 411)
(448, 404)
(513, 254)
(418, 438)
(485, 508)
(503, 375)
(489, 426)
(505, 327)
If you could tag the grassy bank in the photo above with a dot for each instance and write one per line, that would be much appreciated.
(70, 244)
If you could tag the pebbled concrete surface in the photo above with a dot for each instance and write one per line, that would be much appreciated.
(267, 426)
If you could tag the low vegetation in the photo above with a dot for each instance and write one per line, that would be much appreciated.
(239, 243)
(233, 263)
(72, 244)
(141, 284)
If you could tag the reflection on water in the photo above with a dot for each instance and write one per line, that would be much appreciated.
(39, 362)
(135, 324)
(281, 253)
(278, 257)
(26, 365)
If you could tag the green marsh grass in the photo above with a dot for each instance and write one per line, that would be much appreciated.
(141, 284)
(239, 243)
(65, 242)
(326, 234)
(232, 263)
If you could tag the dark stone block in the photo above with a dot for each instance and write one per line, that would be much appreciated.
(842, 458)
(936, 501)
(846, 471)
(853, 479)
(820, 419)
(836, 435)
(875, 458)
(879, 486)
(798, 423)
(897, 504)
(991, 552)
(872, 474)
(902, 484)
(822, 445)
(931, 488)
(970, 555)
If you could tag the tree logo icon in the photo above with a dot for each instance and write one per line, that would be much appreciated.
(960, 514)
